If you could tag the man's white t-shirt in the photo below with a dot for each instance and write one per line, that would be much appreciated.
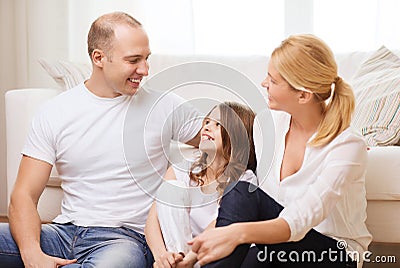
(92, 145)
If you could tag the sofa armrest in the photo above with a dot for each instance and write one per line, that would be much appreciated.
(21, 105)
(383, 173)
(383, 193)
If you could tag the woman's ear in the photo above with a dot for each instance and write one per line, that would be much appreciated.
(305, 97)
(98, 57)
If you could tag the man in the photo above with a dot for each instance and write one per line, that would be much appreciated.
(82, 132)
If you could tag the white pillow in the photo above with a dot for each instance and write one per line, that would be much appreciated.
(377, 89)
(67, 74)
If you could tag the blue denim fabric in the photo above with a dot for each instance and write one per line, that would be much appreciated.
(91, 246)
(243, 202)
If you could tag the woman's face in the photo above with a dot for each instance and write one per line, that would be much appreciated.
(280, 94)
(211, 139)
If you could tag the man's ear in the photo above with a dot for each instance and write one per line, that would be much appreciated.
(305, 97)
(98, 57)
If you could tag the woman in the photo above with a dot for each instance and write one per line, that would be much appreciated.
(188, 203)
(311, 210)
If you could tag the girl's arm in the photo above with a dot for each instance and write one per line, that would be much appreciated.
(154, 236)
(191, 258)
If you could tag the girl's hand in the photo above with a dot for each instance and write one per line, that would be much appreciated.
(215, 244)
(167, 260)
(188, 261)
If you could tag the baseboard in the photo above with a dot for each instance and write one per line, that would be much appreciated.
(3, 218)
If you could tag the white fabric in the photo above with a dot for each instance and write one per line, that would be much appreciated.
(203, 207)
(184, 210)
(327, 193)
(82, 134)
(175, 220)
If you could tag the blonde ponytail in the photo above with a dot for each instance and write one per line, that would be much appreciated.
(337, 114)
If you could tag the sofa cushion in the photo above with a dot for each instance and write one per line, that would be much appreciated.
(67, 74)
(377, 89)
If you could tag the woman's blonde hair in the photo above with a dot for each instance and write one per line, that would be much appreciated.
(238, 147)
(305, 61)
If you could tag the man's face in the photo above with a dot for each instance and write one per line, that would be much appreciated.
(127, 62)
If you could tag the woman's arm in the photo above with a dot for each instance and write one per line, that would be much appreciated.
(217, 243)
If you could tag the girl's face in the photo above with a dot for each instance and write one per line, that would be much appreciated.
(281, 95)
(211, 139)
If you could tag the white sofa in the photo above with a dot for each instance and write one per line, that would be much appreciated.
(383, 172)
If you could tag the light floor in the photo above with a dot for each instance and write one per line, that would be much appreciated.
(382, 251)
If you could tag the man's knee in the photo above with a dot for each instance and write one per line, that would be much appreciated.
(9, 253)
(124, 255)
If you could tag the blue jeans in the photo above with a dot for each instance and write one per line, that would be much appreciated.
(91, 246)
(239, 204)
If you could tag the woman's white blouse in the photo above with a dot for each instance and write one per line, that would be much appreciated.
(327, 193)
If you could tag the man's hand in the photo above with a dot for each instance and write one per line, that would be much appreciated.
(45, 261)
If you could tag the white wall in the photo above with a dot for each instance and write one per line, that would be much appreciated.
(7, 80)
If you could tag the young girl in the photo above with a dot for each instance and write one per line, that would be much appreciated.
(187, 203)
(313, 208)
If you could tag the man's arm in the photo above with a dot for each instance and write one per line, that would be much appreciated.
(25, 224)
(195, 141)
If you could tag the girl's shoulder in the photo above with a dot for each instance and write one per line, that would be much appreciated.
(249, 176)
(181, 174)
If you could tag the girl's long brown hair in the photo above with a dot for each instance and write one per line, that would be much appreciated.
(238, 146)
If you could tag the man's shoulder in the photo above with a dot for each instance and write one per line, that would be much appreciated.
(68, 94)
(66, 98)
(159, 99)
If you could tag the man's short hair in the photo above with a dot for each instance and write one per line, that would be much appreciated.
(101, 33)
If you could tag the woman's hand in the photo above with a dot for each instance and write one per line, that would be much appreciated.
(215, 244)
(167, 260)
